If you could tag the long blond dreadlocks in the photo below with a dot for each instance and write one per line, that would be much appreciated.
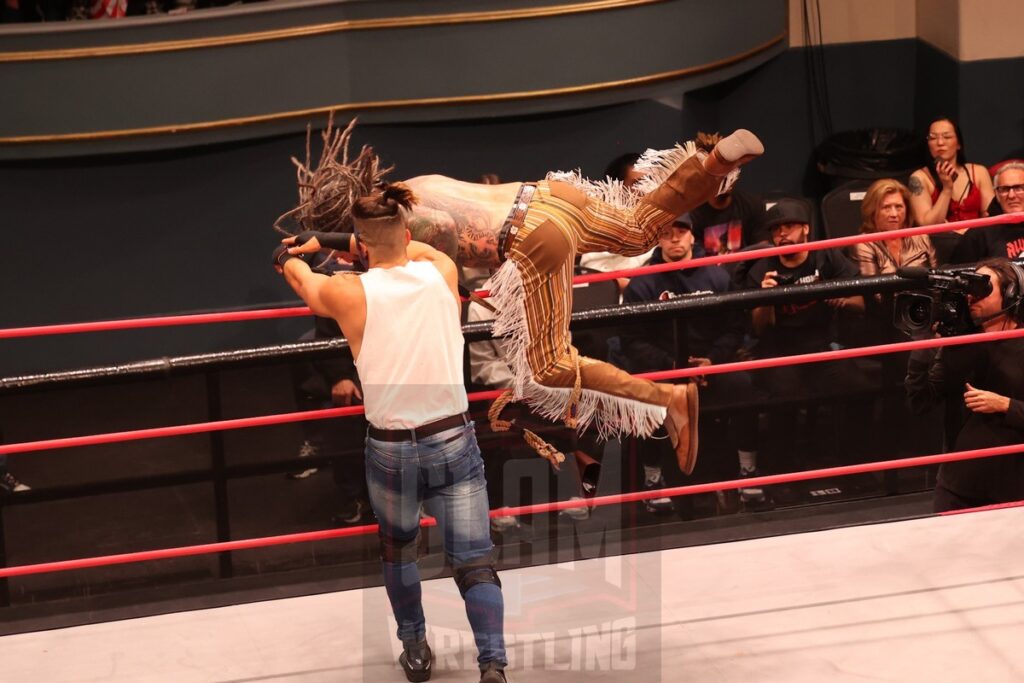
(328, 192)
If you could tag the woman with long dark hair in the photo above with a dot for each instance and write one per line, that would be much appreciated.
(948, 188)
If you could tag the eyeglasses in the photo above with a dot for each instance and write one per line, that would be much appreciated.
(932, 137)
(1006, 190)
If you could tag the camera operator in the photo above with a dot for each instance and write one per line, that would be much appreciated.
(991, 376)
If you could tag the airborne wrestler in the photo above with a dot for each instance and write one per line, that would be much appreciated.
(531, 233)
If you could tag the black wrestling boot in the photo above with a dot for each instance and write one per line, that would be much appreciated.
(491, 672)
(416, 661)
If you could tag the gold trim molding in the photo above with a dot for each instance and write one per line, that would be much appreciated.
(396, 104)
(321, 29)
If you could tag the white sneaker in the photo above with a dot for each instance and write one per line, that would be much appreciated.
(504, 523)
(661, 505)
(578, 513)
(306, 450)
(12, 484)
(751, 494)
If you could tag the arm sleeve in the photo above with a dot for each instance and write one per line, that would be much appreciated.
(929, 250)
(865, 259)
(842, 266)
(925, 380)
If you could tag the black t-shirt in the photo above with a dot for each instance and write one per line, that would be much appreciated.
(996, 367)
(804, 327)
(720, 231)
(996, 240)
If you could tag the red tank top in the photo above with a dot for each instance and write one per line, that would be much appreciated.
(968, 207)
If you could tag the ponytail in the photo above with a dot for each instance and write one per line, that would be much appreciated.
(385, 203)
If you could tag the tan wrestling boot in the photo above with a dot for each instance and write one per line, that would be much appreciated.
(681, 424)
(733, 151)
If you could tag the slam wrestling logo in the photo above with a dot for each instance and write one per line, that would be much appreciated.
(579, 596)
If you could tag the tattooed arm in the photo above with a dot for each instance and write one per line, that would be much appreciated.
(921, 207)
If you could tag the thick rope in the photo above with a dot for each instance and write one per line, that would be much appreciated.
(544, 449)
(494, 413)
(539, 445)
(577, 390)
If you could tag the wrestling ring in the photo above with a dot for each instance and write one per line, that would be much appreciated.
(935, 597)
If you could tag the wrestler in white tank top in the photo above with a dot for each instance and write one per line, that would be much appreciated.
(410, 361)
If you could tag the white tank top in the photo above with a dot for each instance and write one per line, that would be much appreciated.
(410, 361)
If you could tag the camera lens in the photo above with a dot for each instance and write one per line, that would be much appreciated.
(919, 312)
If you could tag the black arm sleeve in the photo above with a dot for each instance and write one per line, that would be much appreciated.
(339, 241)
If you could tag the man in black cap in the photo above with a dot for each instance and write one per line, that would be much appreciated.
(789, 329)
(695, 341)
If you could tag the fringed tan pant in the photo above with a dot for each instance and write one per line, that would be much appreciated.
(560, 223)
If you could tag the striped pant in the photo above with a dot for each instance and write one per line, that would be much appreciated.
(533, 294)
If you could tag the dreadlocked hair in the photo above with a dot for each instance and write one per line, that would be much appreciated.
(328, 192)
(379, 218)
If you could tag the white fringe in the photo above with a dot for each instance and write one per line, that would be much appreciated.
(656, 165)
(610, 190)
(612, 416)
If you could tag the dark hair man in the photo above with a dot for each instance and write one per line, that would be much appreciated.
(532, 233)
(401, 319)
(695, 341)
(991, 377)
(789, 329)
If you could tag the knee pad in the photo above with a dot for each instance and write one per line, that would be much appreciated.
(468, 575)
(395, 551)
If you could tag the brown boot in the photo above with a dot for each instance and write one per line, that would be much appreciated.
(681, 424)
(732, 152)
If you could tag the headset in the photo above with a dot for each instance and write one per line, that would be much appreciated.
(1012, 291)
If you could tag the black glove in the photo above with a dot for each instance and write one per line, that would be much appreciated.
(281, 256)
(339, 241)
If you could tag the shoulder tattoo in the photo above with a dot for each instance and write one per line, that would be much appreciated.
(915, 185)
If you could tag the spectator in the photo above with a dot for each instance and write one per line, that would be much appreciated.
(991, 377)
(803, 327)
(622, 170)
(698, 341)
(729, 221)
(885, 208)
(489, 369)
(948, 189)
(327, 383)
(1005, 240)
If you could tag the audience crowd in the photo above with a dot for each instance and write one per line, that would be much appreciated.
(768, 420)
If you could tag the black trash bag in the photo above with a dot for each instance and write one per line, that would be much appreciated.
(871, 153)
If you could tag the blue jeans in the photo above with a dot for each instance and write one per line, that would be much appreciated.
(446, 473)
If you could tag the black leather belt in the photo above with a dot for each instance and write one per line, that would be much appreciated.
(421, 432)
(516, 218)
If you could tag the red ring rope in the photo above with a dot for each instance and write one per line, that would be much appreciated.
(284, 418)
(263, 314)
(245, 544)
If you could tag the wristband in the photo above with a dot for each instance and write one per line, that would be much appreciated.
(281, 255)
(339, 241)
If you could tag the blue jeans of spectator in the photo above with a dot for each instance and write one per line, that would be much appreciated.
(445, 473)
